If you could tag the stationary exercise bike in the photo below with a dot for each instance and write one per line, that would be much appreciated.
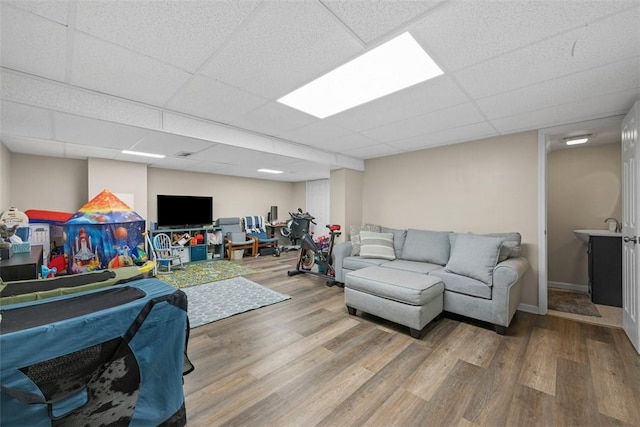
(310, 254)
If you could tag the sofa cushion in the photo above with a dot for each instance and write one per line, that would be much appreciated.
(402, 286)
(376, 245)
(357, 262)
(354, 231)
(426, 246)
(415, 266)
(399, 236)
(462, 284)
(511, 247)
(475, 256)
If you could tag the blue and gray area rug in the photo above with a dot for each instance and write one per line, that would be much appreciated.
(217, 300)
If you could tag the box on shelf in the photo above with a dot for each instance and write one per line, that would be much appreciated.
(21, 248)
(5, 253)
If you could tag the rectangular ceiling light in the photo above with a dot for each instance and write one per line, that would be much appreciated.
(269, 171)
(577, 140)
(390, 67)
(140, 153)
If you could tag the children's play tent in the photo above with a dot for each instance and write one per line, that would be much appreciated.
(104, 233)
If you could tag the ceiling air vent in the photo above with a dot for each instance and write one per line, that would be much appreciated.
(184, 154)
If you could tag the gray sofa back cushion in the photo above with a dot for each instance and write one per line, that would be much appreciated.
(399, 237)
(511, 247)
(426, 246)
(475, 256)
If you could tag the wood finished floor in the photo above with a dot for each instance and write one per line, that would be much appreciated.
(306, 362)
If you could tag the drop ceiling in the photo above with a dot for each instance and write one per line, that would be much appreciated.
(198, 80)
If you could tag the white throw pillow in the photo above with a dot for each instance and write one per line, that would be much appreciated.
(475, 256)
(377, 245)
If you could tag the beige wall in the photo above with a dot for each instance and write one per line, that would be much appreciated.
(5, 178)
(584, 188)
(232, 196)
(483, 186)
(121, 178)
(346, 200)
(48, 183)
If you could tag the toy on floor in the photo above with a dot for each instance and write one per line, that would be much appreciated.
(46, 272)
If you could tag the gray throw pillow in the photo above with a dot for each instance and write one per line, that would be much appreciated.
(355, 236)
(426, 246)
(475, 256)
(399, 237)
(511, 247)
(376, 245)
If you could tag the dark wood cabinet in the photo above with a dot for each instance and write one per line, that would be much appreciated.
(605, 270)
(24, 266)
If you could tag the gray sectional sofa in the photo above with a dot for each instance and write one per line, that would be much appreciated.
(481, 274)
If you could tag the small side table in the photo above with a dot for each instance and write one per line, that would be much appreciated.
(23, 266)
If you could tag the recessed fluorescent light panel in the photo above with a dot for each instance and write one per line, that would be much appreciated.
(140, 153)
(577, 140)
(395, 65)
(269, 171)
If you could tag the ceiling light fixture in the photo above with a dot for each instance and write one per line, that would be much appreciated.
(574, 140)
(269, 171)
(140, 153)
(390, 67)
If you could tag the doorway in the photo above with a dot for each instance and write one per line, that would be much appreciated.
(583, 188)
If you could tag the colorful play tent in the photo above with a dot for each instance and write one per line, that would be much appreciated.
(104, 233)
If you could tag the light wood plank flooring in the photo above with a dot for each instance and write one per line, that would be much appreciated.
(306, 362)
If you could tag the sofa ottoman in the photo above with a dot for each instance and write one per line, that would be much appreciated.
(404, 297)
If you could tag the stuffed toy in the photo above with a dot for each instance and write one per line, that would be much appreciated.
(5, 235)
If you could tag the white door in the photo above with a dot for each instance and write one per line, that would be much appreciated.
(630, 220)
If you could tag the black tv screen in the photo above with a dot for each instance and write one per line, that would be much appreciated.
(184, 211)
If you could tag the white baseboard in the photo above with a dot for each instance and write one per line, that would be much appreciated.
(568, 286)
(528, 308)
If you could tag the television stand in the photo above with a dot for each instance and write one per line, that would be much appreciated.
(197, 252)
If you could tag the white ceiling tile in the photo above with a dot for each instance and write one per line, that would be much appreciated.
(212, 167)
(81, 130)
(107, 68)
(23, 120)
(459, 115)
(468, 32)
(165, 30)
(32, 44)
(592, 108)
(449, 136)
(316, 133)
(210, 99)
(37, 147)
(283, 45)
(175, 163)
(55, 10)
(349, 142)
(599, 81)
(370, 20)
(79, 151)
(604, 42)
(435, 94)
(221, 153)
(60, 97)
(273, 118)
(373, 151)
(170, 144)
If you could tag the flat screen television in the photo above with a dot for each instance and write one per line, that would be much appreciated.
(184, 211)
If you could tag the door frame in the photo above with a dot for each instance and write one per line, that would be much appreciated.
(543, 150)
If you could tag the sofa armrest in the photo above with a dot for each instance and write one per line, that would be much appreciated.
(340, 252)
(509, 271)
(507, 286)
